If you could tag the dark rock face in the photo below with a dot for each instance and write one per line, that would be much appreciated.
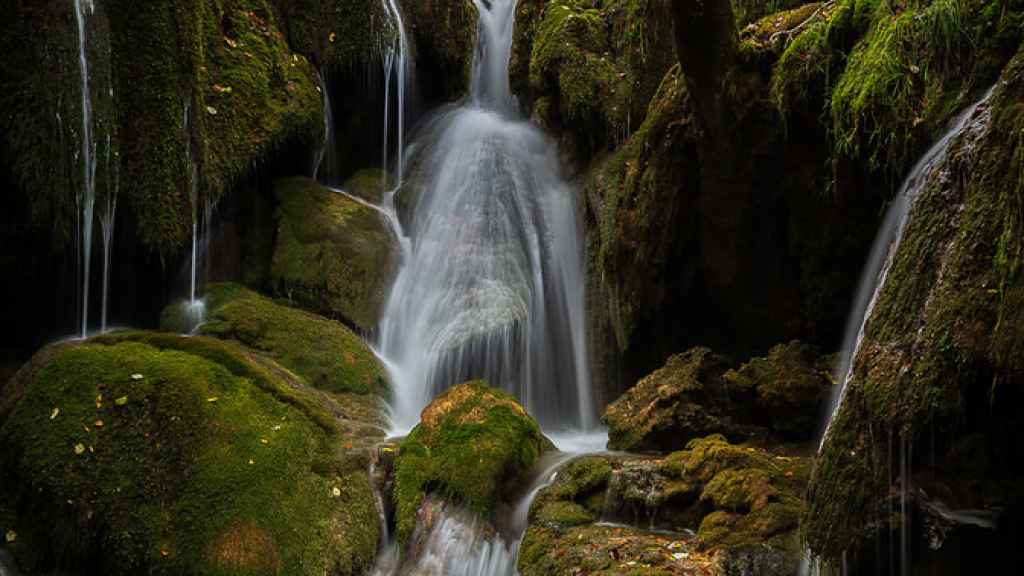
(695, 394)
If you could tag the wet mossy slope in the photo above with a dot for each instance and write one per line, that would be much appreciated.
(159, 454)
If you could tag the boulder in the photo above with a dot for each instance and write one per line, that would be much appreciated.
(154, 453)
(778, 397)
(332, 254)
(472, 445)
(714, 508)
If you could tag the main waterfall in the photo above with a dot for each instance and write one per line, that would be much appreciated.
(492, 287)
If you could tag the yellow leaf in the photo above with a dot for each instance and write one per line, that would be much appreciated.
(11, 536)
(121, 401)
(98, 423)
(54, 414)
(79, 449)
(212, 399)
(264, 441)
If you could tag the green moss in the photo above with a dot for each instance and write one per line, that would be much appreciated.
(333, 254)
(471, 442)
(368, 184)
(246, 93)
(905, 80)
(598, 61)
(640, 196)
(151, 456)
(336, 34)
(323, 352)
(748, 11)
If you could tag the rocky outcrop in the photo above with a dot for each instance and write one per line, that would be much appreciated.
(929, 413)
(145, 452)
(472, 445)
(332, 254)
(715, 507)
(777, 397)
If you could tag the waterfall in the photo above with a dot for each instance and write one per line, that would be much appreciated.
(107, 220)
(875, 273)
(194, 308)
(492, 286)
(883, 253)
(86, 198)
(396, 61)
(328, 143)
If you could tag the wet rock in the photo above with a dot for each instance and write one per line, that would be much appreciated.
(695, 394)
(472, 445)
(332, 254)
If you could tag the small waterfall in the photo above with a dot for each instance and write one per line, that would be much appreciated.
(397, 63)
(195, 307)
(883, 252)
(107, 220)
(493, 285)
(86, 197)
(328, 144)
(873, 277)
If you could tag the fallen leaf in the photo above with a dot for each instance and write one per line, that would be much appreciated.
(54, 414)
(137, 376)
(332, 37)
(276, 428)
(79, 449)
(98, 423)
(212, 399)
(211, 110)
(121, 401)
(11, 536)
(251, 461)
(264, 441)
(336, 492)
(165, 552)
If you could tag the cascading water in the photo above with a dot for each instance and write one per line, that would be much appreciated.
(493, 285)
(87, 194)
(873, 277)
(195, 307)
(107, 219)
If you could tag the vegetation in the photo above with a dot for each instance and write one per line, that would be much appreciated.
(168, 455)
(472, 443)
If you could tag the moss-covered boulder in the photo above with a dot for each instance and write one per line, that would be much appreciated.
(694, 394)
(744, 504)
(333, 254)
(471, 446)
(931, 408)
(154, 453)
(323, 352)
(791, 383)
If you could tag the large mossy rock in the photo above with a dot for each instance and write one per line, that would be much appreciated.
(932, 405)
(777, 397)
(153, 453)
(742, 502)
(471, 446)
(588, 68)
(323, 352)
(333, 254)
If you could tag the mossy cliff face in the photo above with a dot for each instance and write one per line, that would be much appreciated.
(332, 253)
(326, 354)
(939, 369)
(742, 502)
(588, 68)
(443, 34)
(167, 455)
(471, 446)
(776, 398)
(336, 35)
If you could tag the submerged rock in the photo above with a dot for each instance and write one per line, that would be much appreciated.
(153, 453)
(715, 508)
(695, 394)
(332, 254)
(472, 444)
